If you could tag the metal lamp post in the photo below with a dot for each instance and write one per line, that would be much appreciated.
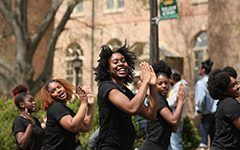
(77, 63)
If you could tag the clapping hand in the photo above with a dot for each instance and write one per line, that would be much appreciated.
(145, 73)
(89, 95)
(181, 95)
(81, 94)
(153, 79)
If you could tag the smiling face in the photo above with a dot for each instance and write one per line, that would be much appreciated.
(233, 88)
(162, 85)
(118, 67)
(29, 103)
(57, 91)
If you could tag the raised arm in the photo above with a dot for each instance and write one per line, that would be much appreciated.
(123, 102)
(87, 123)
(174, 118)
(74, 124)
(149, 112)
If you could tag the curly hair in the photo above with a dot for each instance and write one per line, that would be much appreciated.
(218, 83)
(161, 67)
(101, 71)
(207, 65)
(19, 92)
(231, 71)
(46, 98)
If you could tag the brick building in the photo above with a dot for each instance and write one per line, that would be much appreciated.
(182, 41)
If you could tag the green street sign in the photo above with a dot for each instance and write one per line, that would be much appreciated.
(168, 9)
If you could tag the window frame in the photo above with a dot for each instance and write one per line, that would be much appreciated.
(75, 12)
(203, 49)
(115, 7)
(69, 59)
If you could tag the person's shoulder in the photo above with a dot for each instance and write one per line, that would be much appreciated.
(108, 84)
(231, 101)
(184, 82)
(55, 105)
(18, 118)
(36, 119)
(161, 98)
(201, 82)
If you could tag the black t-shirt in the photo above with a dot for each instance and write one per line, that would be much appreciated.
(227, 136)
(58, 138)
(36, 140)
(117, 131)
(159, 130)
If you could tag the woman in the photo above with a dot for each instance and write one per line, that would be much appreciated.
(27, 129)
(62, 123)
(225, 87)
(116, 102)
(166, 122)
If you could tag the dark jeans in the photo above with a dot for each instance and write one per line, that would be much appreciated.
(207, 126)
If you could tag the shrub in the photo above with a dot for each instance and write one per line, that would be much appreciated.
(140, 137)
(191, 139)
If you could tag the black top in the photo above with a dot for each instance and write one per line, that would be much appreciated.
(58, 138)
(227, 136)
(116, 129)
(159, 130)
(36, 140)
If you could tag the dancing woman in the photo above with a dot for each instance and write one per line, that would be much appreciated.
(116, 102)
(27, 129)
(62, 123)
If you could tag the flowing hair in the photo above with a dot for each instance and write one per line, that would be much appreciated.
(101, 71)
(46, 98)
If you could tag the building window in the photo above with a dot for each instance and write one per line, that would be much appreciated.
(112, 6)
(72, 52)
(196, 2)
(79, 7)
(78, 11)
(199, 53)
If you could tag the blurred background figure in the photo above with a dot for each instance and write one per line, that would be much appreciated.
(205, 106)
(176, 142)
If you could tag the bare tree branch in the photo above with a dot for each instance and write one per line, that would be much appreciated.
(6, 83)
(49, 18)
(47, 71)
(21, 13)
(6, 65)
(11, 19)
